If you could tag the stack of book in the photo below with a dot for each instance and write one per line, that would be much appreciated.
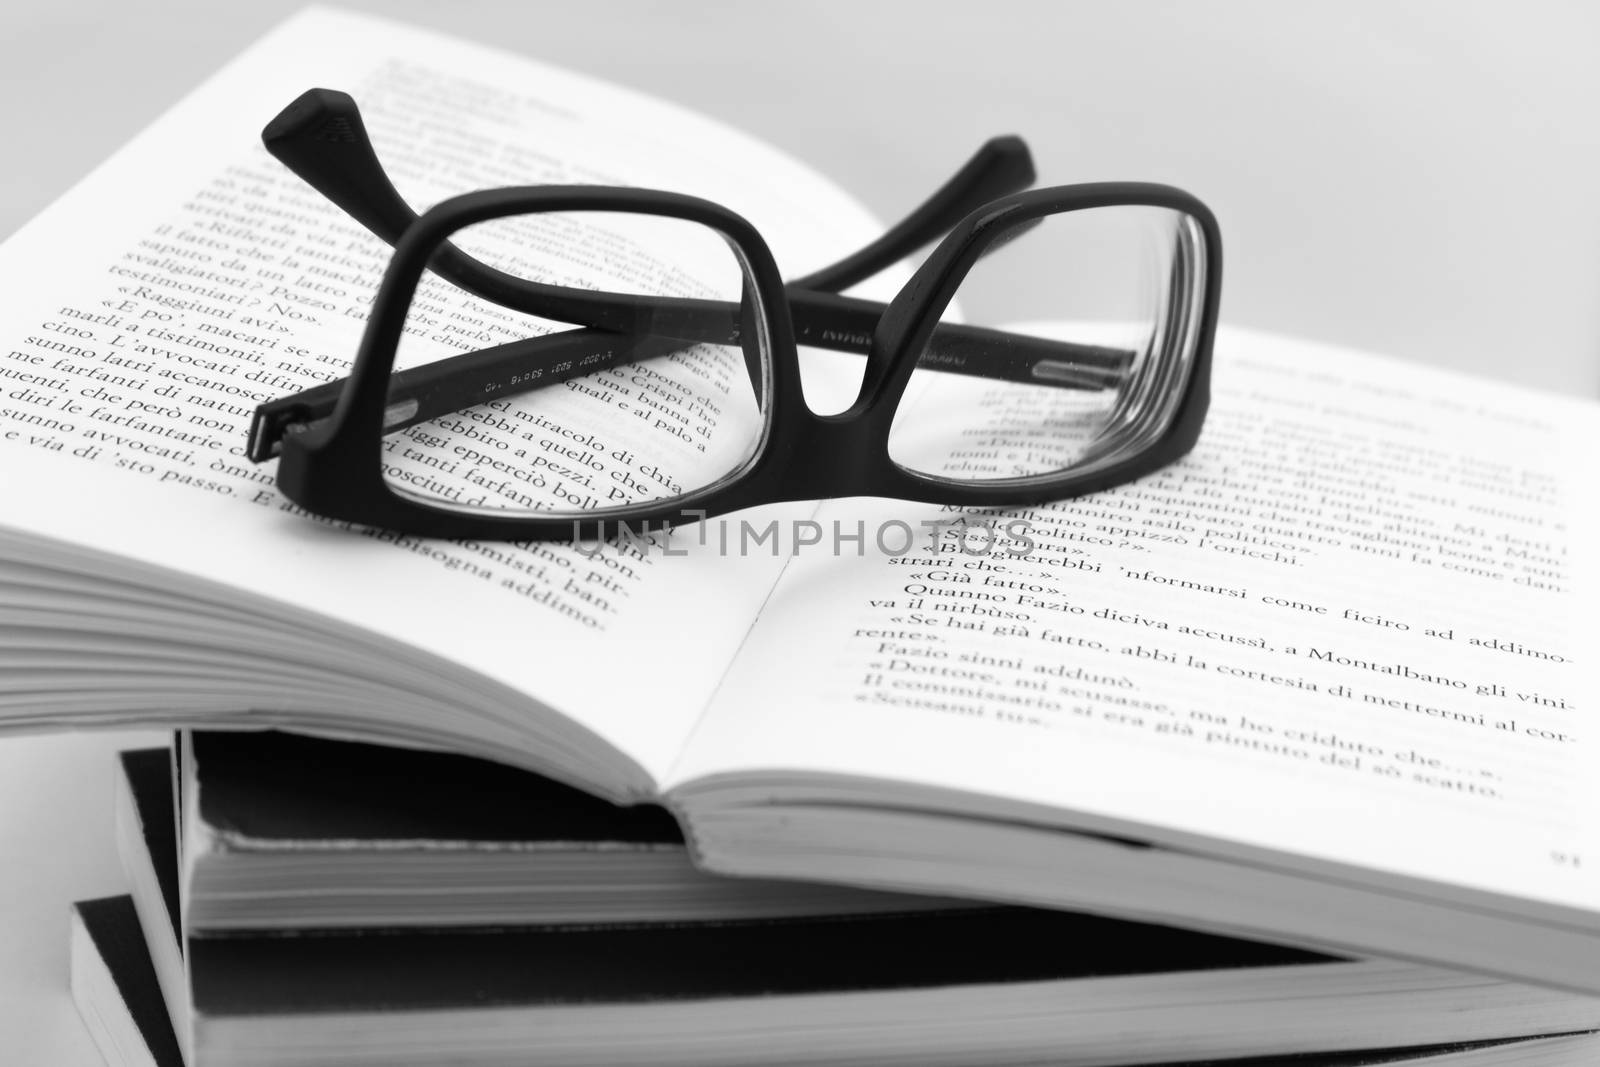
(1279, 751)
(300, 901)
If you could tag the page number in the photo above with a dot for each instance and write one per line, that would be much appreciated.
(1566, 859)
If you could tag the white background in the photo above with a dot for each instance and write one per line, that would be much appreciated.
(1421, 179)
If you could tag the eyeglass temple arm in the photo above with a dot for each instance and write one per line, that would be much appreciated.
(450, 385)
(1003, 165)
(321, 138)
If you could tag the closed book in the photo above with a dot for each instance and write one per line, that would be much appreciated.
(115, 988)
(284, 831)
(963, 987)
(113, 985)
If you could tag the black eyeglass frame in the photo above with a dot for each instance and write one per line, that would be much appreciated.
(333, 467)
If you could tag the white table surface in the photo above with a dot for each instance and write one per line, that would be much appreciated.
(56, 846)
(1417, 178)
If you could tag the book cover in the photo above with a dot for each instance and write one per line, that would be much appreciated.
(114, 986)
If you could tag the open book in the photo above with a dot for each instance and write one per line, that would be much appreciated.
(1320, 682)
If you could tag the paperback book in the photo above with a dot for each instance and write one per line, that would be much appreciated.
(1320, 683)
(283, 832)
(113, 987)
(957, 986)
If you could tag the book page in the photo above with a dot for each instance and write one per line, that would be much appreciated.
(1352, 628)
(193, 276)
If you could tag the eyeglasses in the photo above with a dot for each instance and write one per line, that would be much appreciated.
(631, 356)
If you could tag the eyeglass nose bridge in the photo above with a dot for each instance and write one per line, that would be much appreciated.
(819, 456)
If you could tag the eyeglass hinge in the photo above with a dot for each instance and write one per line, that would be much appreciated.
(270, 427)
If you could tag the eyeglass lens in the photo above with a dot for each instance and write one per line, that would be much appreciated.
(674, 404)
(1098, 309)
